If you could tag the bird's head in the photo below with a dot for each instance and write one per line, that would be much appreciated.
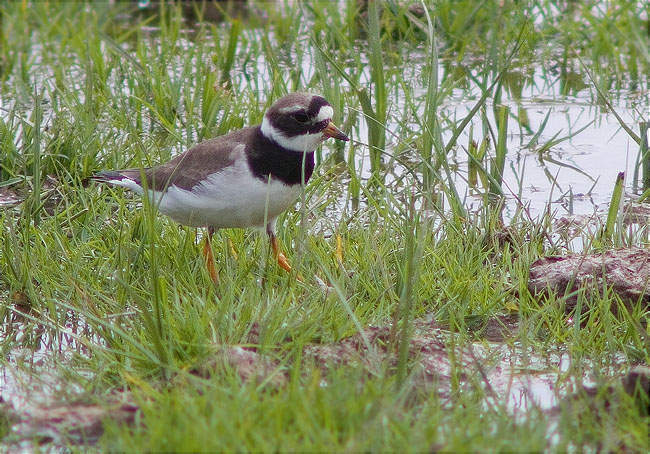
(300, 122)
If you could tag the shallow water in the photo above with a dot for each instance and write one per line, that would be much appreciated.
(581, 179)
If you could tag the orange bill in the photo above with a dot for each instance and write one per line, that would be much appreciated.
(332, 131)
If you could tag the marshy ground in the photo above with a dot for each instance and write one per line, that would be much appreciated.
(487, 137)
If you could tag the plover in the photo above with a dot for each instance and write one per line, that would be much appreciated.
(243, 179)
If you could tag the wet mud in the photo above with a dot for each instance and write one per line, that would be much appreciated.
(626, 272)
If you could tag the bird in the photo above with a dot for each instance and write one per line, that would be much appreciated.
(245, 178)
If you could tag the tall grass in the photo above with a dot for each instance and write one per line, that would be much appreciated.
(644, 153)
(99, 271)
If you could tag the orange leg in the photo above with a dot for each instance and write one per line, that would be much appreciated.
(209, 257)
(282, 260)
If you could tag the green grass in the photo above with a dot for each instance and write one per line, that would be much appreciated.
(110, 86)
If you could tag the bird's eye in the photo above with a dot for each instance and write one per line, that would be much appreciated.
(300, 117)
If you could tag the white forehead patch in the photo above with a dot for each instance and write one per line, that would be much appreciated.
(325, 113)
(294, 108)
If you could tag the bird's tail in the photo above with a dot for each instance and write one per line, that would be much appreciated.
(128, 178)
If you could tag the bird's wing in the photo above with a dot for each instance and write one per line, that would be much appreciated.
(186, 169)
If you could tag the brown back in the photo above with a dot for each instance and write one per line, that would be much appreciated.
(188, 169)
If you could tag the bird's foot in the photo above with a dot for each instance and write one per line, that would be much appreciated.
(280, 257)
(283, 262)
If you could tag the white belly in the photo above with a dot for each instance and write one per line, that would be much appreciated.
(229, 198)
